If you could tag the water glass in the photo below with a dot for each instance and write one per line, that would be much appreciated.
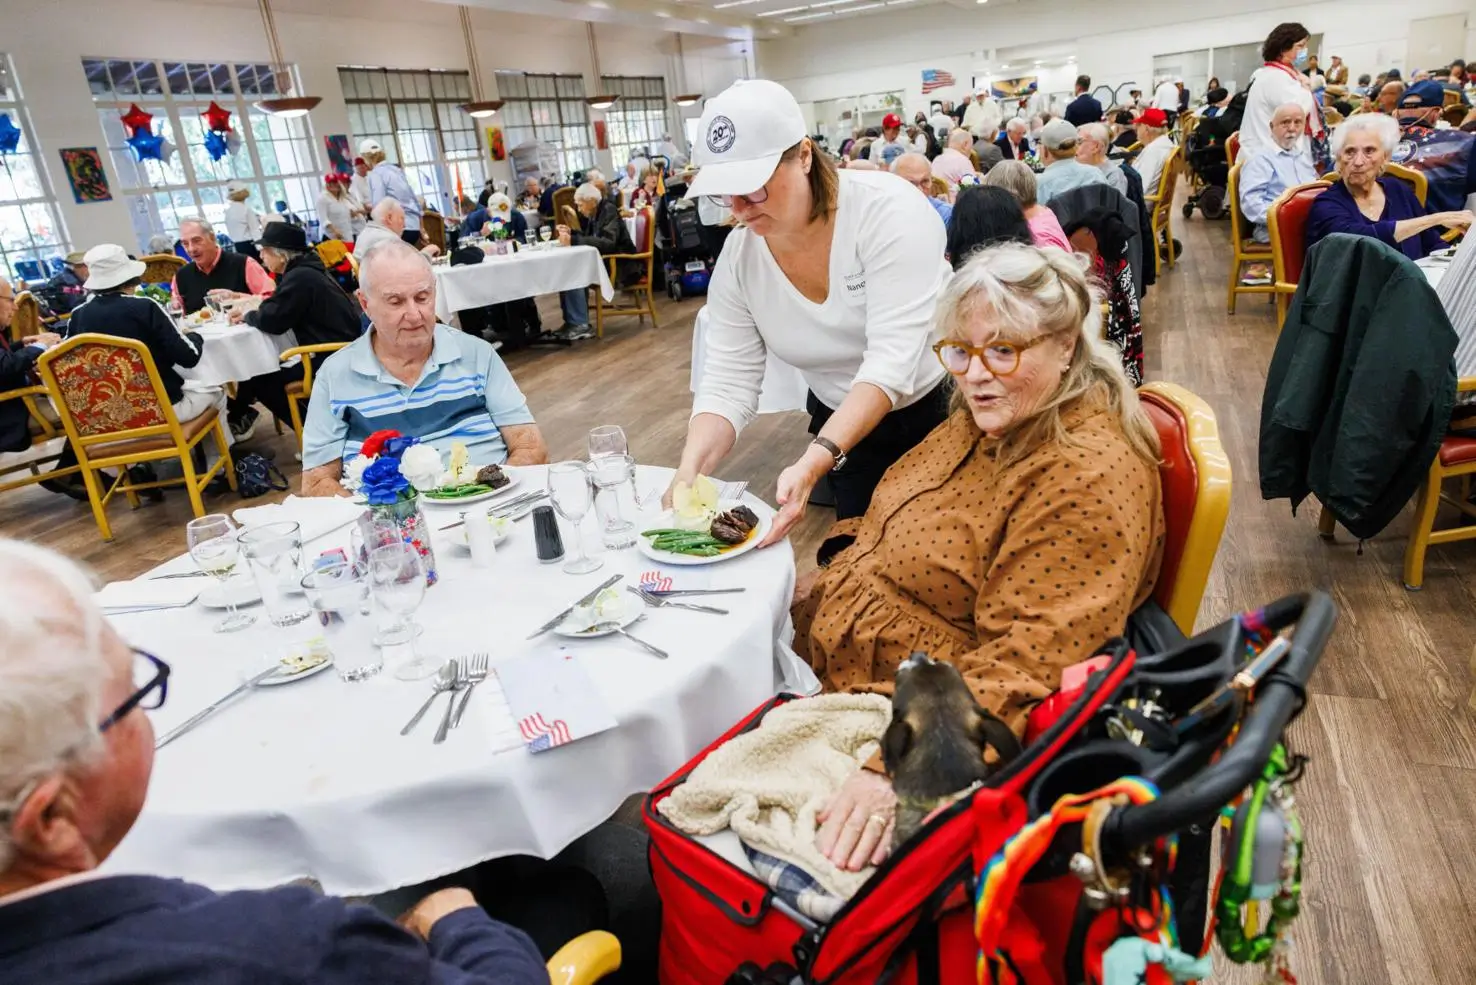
(607, 439)
(569, 492)
(273, 552)
(337, 593)
(545, 233)
(530, 237)
(610, 474)
(213, 545)
(368, 535)
(397, 580)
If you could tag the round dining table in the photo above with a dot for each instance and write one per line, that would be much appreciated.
(313, 778)
(233, 353)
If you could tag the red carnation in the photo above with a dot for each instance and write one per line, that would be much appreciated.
(374, 444)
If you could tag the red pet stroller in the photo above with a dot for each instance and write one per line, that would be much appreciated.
(1064, 863)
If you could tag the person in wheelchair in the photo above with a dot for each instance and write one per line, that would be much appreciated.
(1014, 539)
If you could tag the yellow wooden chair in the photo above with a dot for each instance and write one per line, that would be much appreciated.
(1232, 147)
(160, 268)
(645, 228)
(44, 427)
(301, 391)
(563, 203)
(1457, 459)
(1416, 180)
(1243, 249)
(1194, 473)
(585, 960)
(433, 229)
(27, 318)
(116, 413)
(1161, 208)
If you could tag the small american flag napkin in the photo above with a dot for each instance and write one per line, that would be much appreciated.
(552, 699)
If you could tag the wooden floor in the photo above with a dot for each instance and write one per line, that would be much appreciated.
(1390, 796)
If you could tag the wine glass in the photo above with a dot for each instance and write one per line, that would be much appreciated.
(568, 490)
(545, 233)
(397, 581)
(607, 440)
(366, 537)
(213, 545)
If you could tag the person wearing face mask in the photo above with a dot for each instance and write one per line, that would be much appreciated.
(1441, 153)
(835, 272)
(1273, 85)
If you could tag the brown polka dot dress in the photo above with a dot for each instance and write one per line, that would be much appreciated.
(1009, 575)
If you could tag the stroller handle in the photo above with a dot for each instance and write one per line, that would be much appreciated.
(1279, 698)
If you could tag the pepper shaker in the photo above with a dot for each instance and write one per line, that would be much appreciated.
(546, 536)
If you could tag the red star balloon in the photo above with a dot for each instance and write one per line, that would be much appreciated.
(136, 120)
(216, 118)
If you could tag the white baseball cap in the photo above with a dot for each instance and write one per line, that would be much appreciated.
(370, 146)
(745, 129)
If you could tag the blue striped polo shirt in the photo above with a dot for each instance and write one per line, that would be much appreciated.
(464, 393)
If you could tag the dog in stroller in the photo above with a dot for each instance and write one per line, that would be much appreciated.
(1209, 166)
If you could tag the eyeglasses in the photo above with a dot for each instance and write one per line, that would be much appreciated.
(1000, 358)
(151, 684)
(752, 198)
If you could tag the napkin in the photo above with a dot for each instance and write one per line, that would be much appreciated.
(665, 578)
(318, 515)
(552, 699)
(171, 593)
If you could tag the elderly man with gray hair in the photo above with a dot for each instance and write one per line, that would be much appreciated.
(1274, 169)
(76, 754)
(600, 226)
(1093, 139)
(386, 222)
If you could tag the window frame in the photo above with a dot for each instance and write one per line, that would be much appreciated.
(34, 210)
(553, 114)
(631, 120)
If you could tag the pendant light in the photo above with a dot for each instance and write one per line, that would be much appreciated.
(286, 107)
(478, 107)
(602, 100)
(687, 98)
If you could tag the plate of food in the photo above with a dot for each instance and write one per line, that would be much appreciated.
(296, 666)
(699, 529)
(609, 609)
(489, 482)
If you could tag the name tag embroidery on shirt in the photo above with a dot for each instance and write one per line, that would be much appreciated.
(855, 287)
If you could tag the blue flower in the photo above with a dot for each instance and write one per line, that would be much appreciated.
(395, 447)
(383, 483)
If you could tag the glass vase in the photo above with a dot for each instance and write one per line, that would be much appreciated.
(407, 515)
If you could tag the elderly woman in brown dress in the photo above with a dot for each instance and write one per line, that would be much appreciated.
(1014, 539)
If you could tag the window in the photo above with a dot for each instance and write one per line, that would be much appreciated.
(417, 118)
(273, 156)
(548, 108)
(31, 231)
(638, 120)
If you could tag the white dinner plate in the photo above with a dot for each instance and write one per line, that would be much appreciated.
(631, 609)
(239, 590)
(479, 497)
(661, 520)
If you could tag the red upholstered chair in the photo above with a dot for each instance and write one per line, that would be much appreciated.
(116, 413)
(645, 244)
(1232, 147)
(1287, 224)
(1457, 458)
(1194, 474)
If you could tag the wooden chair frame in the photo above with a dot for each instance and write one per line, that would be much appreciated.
(27, 318)
(585, 960)
(1418, 183)
(1211, 504)
(1422, 532)
(180, 446)
(302, 391)
(649, 256)
(160, 268)
(1232, 148)
(1240, 255)
(433, 229)
(1161, 216)
(29, 395)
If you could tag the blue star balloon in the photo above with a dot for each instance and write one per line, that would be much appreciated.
(147, 146)
(10, 135)
(216, 145)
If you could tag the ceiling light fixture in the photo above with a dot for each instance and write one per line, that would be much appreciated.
(809, 17)
(600, 100)
(686, 98)
(479, 107)
(864, 6)
(288, 106)
(733, 3)
(785, 10)
(662, 13)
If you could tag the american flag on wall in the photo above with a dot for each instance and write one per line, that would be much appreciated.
(936, 79)
(540, 735)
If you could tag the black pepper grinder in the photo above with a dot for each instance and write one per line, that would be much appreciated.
(550, 543)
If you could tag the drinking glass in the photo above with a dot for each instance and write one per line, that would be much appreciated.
(569, 491)
(610, 474)
(530, 237)
(607, 439)
(273, 552)
(367, 536)
(337, 593)
(212, 541)
(545, 233)
(397, 579)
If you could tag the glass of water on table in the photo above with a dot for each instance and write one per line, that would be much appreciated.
(397, 580)
(607, 441)
(214, 548)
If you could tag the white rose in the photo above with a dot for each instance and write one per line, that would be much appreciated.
(421, 464)
(353, 473)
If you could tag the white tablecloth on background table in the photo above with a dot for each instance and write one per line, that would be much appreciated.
(313, 778)
(532, 218)
(630, 227)
(233, 353)
(1434, 269)
(784, 386)
(525, 274)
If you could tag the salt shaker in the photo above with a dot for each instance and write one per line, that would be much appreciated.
(479, 539)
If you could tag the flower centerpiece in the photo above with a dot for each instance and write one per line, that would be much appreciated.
(498, 233)
(389, 471)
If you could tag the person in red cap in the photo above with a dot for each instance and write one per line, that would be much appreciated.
(337, 208)
(892, 144)
(1152, 127)
(359, 188)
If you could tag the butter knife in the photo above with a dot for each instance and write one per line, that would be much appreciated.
(180, 574)
(583, 601)
(199, 717)
(508, 508)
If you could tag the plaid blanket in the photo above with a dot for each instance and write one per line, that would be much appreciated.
(794, 886)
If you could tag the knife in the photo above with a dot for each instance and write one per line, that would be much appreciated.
(509, 506)
(199, 717)
(565, 614)
(181, 574)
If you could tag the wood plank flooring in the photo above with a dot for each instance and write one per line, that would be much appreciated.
(1391, 789)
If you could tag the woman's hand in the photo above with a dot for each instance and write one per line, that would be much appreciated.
(857, 824)
(1457, 220)
(793, 491)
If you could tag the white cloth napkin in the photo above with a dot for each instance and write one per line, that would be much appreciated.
(318, 516)
(167, 593)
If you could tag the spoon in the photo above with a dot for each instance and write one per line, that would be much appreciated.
(445, 681)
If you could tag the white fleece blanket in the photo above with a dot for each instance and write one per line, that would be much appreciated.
(768, 784)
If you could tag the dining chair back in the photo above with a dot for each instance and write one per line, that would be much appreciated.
(27, 318)
(1416, 180)
(433, 229)
(1232, 146)
(1287, 224)
(1162, 206)
(1243, 248)
(1456, 459)
(301, 391)
(160, 268)
(645, 254)
(563, 201)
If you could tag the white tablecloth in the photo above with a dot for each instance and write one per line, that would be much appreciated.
(1434, 269)
(532, 218)
(314, 779)
(525, 274)
(234, 353)
(784, 386)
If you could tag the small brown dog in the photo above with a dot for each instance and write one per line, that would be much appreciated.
(934, 748)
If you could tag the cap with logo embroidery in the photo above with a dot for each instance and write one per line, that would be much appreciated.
(744, 132)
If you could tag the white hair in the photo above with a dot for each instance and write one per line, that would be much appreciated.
(594, 174)
(198, 220)
(587, 192)
(1383, 127)
(1016, 125)
(961, 140)
(386, 208)
(388, 251)
(1095, 131)
(52, 672)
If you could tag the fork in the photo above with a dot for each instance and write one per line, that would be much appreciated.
(459, 679)
(445, 681)
(657, 602)
(476, 673)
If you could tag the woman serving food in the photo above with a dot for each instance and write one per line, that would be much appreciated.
(837, 273)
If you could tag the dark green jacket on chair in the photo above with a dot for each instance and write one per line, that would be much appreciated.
(1361, 385)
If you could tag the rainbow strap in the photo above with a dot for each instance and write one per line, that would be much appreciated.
(1000, 879)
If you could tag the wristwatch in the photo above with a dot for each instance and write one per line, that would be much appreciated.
(835, 452)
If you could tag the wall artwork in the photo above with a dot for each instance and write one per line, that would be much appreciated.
(85, 172)
(340, 161)
(602, 142)
(1013, 88)
(495, 145)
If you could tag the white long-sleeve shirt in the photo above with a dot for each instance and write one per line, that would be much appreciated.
(335, 212)
(874, 326)
(242, 225)
(1150, 162)
(1166, 98)
(1270, 89)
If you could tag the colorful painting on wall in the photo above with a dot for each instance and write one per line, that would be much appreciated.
(85, 172)
(601, 141)
(1013, 88)
(340, 161)
(495, 146)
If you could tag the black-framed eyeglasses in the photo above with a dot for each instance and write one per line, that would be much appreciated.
(151, 684)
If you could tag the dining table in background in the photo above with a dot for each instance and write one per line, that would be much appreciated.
(525, 274)
(233, 353)
(313, 779)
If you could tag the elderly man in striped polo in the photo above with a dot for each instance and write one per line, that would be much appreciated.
(412, 375)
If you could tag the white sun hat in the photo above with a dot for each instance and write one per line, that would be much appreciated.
(744, 131)
(108, 266)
